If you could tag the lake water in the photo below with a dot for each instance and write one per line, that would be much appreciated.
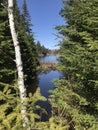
(46, 77)
(46, 83)
(50, 58)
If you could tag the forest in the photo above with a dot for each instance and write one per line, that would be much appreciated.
(74, 100)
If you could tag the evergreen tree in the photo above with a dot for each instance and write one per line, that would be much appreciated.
(41, 49)
(26, 17)
(7, 63)
(27, 44)
(79, 60)
(10, 102)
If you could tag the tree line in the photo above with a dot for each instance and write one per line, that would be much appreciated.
(42, 50)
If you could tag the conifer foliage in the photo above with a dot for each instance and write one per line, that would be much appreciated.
(27, 44)
(7, 64)
(10, 102)
(77, 96)
(74, 100)
(41, 50)
(26, 17)
(19, 64)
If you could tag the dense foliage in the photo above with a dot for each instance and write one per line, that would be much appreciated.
(7, 63)
(10, 103)
(27, 44)
(75, 99)
(28, 49)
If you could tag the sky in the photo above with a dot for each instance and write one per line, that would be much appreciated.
(44, 17)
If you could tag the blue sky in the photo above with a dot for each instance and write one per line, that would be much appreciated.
(44, 17)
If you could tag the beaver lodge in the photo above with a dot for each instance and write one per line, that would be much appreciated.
(47, 66)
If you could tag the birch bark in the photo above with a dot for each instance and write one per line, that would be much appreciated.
(19, 65)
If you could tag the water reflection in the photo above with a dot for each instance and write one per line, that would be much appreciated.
(50, 58)
(46, 84)
(46, 81)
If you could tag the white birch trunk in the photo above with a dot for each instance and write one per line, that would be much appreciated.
(19, 65)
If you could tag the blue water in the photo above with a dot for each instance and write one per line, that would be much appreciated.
(50, 58)
(46, 81)
(46, 77)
